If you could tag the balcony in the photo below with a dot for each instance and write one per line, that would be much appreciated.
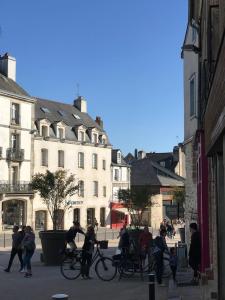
(15, 154)
(17, 187)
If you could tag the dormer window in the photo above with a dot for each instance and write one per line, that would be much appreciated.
(95, 138)
(118, 157)
(81, 136)
(44, 131)
(61, 133)
(102, 139)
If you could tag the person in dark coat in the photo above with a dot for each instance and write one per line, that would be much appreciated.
(87, 251)
(16, 248)
(159, 247)
(195, 251)
(71, 234)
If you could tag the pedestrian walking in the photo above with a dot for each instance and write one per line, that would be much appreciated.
(173, 262)
(124, 242)
(145, 244)
(159, 247)
(195, 251)
(88, 249)
(28, 244)
(16, 248)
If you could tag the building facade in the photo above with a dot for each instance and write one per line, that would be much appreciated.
(209, 16)
(191, 84)
(16, 147)
(120, 180)
(38, 135)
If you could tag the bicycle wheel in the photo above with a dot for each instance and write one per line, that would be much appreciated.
(70, 268)
(105, 269)
(126, 269)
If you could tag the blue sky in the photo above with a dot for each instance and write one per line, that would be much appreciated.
(124, 54)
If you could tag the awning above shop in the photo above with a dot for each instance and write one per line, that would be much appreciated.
(122, 210)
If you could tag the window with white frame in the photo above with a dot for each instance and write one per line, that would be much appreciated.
(81, 136)
(192, 97)
(15, 139)
(15, 113)
(104, 164)
(61, 159)
(104, 191)
(81, 188)
(61, 133)
(95, 138)
(44, 130)
(104, 141)
(95, 188)
(44, 157)
(81, 160)
(116, 174)
(118, 157)
(94, 161)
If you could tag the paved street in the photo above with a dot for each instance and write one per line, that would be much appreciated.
(47, 281)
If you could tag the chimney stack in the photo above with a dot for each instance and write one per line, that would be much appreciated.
(81, 104)
(99, 121)
(8, 66)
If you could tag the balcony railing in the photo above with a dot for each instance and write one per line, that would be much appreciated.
(17, 187)
(15, 154)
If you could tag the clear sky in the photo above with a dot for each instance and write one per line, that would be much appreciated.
(124, 54)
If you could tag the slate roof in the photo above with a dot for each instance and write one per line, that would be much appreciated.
(147, 172)
(9, 85)
(159, 156)
(68, 110)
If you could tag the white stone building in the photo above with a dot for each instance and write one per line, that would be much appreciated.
(190, 58)
(66, 137)
(120, 180)
(36, 135)
(16, 198)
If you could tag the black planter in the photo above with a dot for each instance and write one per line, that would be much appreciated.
(182, 234)
(53, 242)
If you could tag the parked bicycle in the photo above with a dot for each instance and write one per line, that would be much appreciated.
(127, 265)
(104, 267)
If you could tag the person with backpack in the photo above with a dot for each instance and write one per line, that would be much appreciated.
(28, 244)
(159, 247)
(195, 251)
(16, 249)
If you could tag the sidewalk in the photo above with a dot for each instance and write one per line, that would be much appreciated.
(183, 290)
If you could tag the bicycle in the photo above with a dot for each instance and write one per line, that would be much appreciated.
(127, 265)
(71, 265)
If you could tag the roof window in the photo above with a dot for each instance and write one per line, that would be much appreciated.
(45, 109)
(76, 116)
(62, 113)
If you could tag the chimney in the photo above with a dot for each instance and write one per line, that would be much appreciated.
(81, 104)
(99, 121)
(141, 154)
(8, 66)
(136, 153)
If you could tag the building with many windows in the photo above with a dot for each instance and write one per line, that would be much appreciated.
(38, 135)
(16, 148)
(120, 180)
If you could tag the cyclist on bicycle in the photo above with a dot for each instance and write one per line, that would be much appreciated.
(71, 235)
(88, 249)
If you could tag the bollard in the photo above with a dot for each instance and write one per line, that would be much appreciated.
(60, 296)
(151, 286)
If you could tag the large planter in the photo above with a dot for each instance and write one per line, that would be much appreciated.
(182, 234)
(53, 242)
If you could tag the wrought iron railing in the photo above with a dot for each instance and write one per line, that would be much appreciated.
(15, 154)
(17, 187)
